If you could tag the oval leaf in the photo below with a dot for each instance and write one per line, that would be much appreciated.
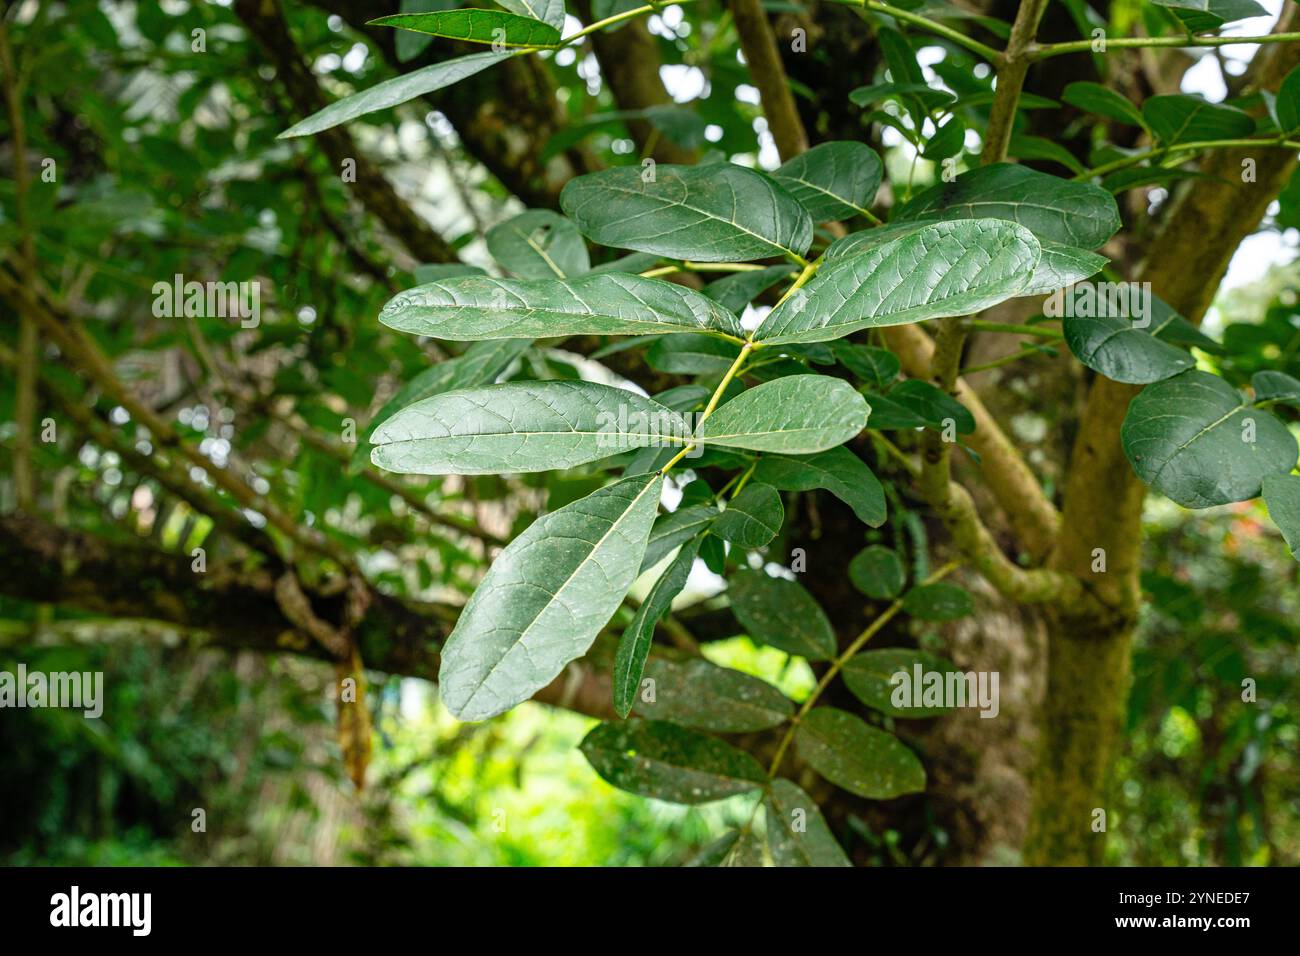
(657, 759)
(798, 414)
(699, 694)
(712, 213)
(877, 572)
(938, 602)
(857, 757)
(797, 834)
(480, 307)
(782, 614)
(1184, 118)
(834, 180)
(1190, 438)
(878, 679)
(539, 244)
(1074, 214)
(545, 597)
(838, 470)
(522, 427)
(1272, 386)
(480, 364)
(1282, 495)
(945, 268)
(1123, 350)
(752, 518)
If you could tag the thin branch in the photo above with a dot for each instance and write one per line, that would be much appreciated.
(1127, 161)
(1042, 51)
(768, 73)
(85, 355)
(28, 339)
(837, 665)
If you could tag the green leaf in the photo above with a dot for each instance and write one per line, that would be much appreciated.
(661, 760)
(634, 645)
(737, 290)
(1287, 105)
(1060, 266)
(877, 572)
(433, 271)
(409, 45)
(465, 308)
(1282, 495)
(1103, 101)
(838, 470)
(718, 852)
(858, 758)
(476, 26)
(545, 597)
(712, 213)
(872, 676)
(945, 268)
(798, 414)
(1186, 437)
(548, 11)
(907, 94)
(833, 181)
(1184, 118)
(481, 363)
(1124, 351)
(691, 355)
(677, 527)
(948, 140)
(797, 834)
(539, 244)
(1202, 15)
(782, 614)
(932, 405)
(752, 518)
(1037, 147)
(399, 89)
(748, 849)
(696, 693)
(875, 367)
(938, 602)
(1276, 387)
(1073, 214)
(633, 263)
(521, 427)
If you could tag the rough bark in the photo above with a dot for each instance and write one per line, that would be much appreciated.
(1102, 514)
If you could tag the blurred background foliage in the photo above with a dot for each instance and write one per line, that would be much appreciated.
(167, 163)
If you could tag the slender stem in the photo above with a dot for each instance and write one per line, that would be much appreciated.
(1043, 332)
(1045, 50)
(744, 479)
(1126, 161)
(809, 270)
(28, 336)
(925, 23)
(608, 21)
(1005, 360)
(713, 401)
(837, 665)
(689, 266)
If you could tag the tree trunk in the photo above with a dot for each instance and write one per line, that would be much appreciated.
(1082, 714)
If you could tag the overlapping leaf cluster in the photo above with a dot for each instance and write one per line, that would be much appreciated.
(780, 401)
